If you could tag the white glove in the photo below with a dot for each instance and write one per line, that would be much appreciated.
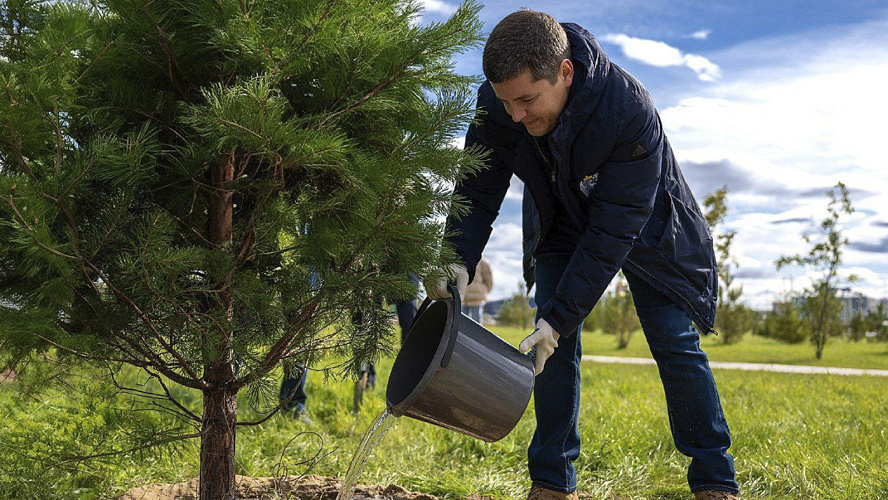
(545, 339)
(436, 283)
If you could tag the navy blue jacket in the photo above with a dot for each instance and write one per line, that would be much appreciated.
(619, 181)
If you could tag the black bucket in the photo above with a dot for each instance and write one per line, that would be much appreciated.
(455, 373)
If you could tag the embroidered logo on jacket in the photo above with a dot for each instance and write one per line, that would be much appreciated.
(588, 184)
(639, 151)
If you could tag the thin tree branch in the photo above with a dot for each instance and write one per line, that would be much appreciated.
(53, 251)
(144, 319)
(82, 458)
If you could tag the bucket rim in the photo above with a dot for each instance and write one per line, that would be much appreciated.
(401, 408)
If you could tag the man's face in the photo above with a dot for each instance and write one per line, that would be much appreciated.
(536, 103)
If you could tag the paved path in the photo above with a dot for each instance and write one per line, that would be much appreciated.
(759, 367)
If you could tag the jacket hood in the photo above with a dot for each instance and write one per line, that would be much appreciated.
(591, 68)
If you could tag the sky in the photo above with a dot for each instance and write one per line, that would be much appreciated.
(778, 101)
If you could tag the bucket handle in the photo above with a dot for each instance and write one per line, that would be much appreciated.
(454, 323)
(423, 307)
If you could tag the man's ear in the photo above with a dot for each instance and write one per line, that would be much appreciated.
(567, 71)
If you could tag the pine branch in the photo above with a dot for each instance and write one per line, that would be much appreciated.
(147, 322)
(311, 32)
(384, 84)
(39, 243)
(378, 88)
(169, 396)
(94, 61)
(83, 458)
(261, 421)
(173, 64)
(18, 155)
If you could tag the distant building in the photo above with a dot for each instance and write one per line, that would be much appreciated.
(852, 305)
(857, 304)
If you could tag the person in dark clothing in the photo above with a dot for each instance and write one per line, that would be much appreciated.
(603, 192)
(407, 310)
(292, 393)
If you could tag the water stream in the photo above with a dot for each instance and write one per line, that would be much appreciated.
(377, 430)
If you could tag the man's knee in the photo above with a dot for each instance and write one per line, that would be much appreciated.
(672, 340)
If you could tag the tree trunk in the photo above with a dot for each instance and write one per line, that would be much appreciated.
(221, 203)
(217, 465)
(623, 339)
(820, 332)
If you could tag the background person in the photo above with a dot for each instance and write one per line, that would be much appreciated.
(292, 393)
(476, 293)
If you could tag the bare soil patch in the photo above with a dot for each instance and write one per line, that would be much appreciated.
(294, 488)
(269, 488)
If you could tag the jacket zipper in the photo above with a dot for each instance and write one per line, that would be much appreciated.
(552, 168)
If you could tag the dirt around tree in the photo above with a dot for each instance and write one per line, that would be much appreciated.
(269, 488)
(294, 488)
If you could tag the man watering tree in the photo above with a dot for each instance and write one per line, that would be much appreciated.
(603, 192)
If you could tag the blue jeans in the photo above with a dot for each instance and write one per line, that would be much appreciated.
(292, 394)
(474, 312)
(406, 312)
(698, 424)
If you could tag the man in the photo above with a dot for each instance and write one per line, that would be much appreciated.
(476, 293)
(603, 192)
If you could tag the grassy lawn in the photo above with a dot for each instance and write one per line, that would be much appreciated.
(751, 349)
(795, 437)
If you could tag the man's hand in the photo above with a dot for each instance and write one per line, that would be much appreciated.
(545, 339)
(436, 283)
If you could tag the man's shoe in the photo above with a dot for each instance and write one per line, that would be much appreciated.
(540, 493)
(714, 495)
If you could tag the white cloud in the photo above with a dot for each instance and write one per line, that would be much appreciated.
(504, 253)
(661, 55)
(787, 119)
(791, 117)
(700, 34)
(438, 7)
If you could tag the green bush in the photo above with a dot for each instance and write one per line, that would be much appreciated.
(785, 323)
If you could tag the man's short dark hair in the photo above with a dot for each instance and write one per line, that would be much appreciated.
(525, 40)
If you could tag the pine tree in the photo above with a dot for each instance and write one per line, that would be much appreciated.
(189, 183)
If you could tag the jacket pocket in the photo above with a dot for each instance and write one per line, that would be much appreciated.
(685, 234)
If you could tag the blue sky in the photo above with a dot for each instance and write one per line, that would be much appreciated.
(778, 100)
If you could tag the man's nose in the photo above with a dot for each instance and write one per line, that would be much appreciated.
(518, 113)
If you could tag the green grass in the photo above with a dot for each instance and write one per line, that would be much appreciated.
(751, 349)
(795, 437)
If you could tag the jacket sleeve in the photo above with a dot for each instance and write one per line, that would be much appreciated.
(620, 204)
(484, 192)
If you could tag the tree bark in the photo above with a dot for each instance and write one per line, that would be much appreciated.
(221, 203)
(217, 466)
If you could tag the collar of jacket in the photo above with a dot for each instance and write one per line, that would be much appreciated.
(590, 74)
